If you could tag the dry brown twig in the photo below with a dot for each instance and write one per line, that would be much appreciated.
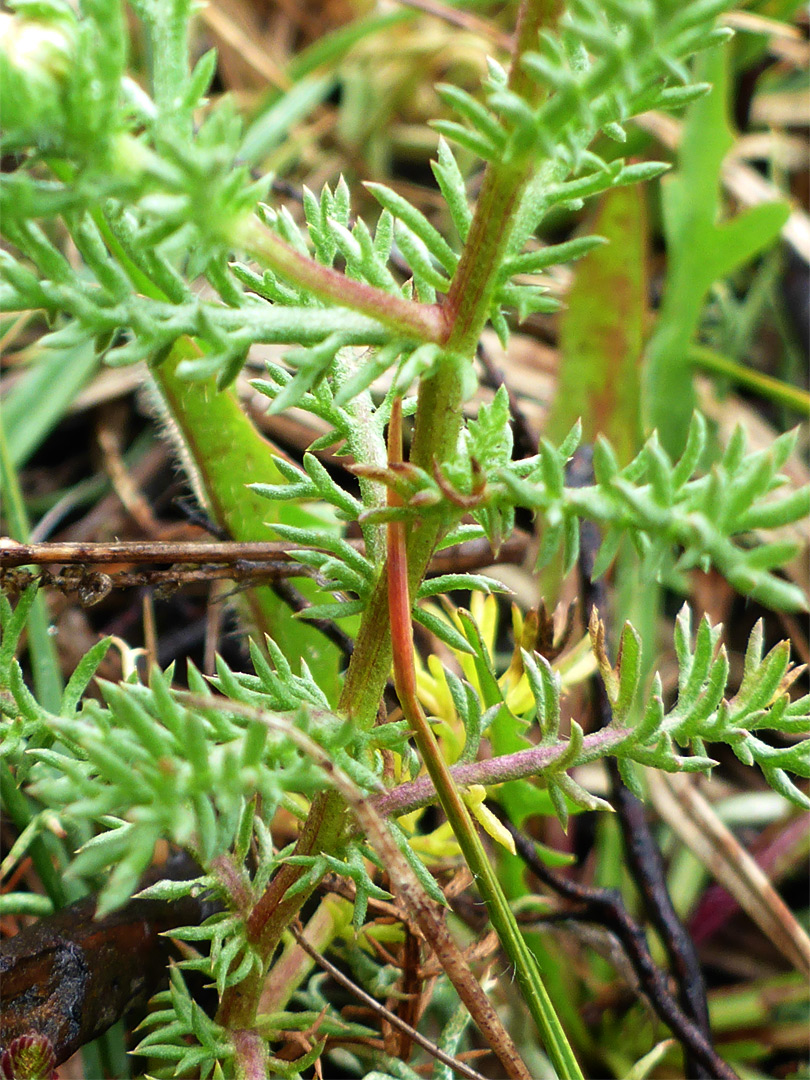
(92, 570)
(459, 1067)
(692, 819)
(470, 555)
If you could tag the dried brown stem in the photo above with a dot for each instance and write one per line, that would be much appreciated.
(470, 555)
(395, 1021)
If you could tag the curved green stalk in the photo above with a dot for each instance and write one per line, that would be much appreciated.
(223, 454)
(500, 914)
(776, 390)
(423, 322)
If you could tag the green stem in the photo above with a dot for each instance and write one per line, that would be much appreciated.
(332, 919)
(782, 393)
(439, 415)
(224, 453)
(503, 920)
(425, 322)
(501, 916)
(19, 809)
(436, 434)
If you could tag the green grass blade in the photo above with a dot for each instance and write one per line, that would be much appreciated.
(43, 395)
(775, 390)
(48, 683)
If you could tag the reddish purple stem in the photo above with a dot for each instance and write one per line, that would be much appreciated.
(531, 762)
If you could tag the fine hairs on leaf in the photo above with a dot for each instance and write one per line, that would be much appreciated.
(144, 223)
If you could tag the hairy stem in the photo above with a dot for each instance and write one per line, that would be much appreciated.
(415, 794)
(425, 322)
(223, 453)
(406, 885)
(438, 423)
(439, 415)
(250, 1055)
(332, 918)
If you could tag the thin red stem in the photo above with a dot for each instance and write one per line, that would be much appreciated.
(399, 603)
